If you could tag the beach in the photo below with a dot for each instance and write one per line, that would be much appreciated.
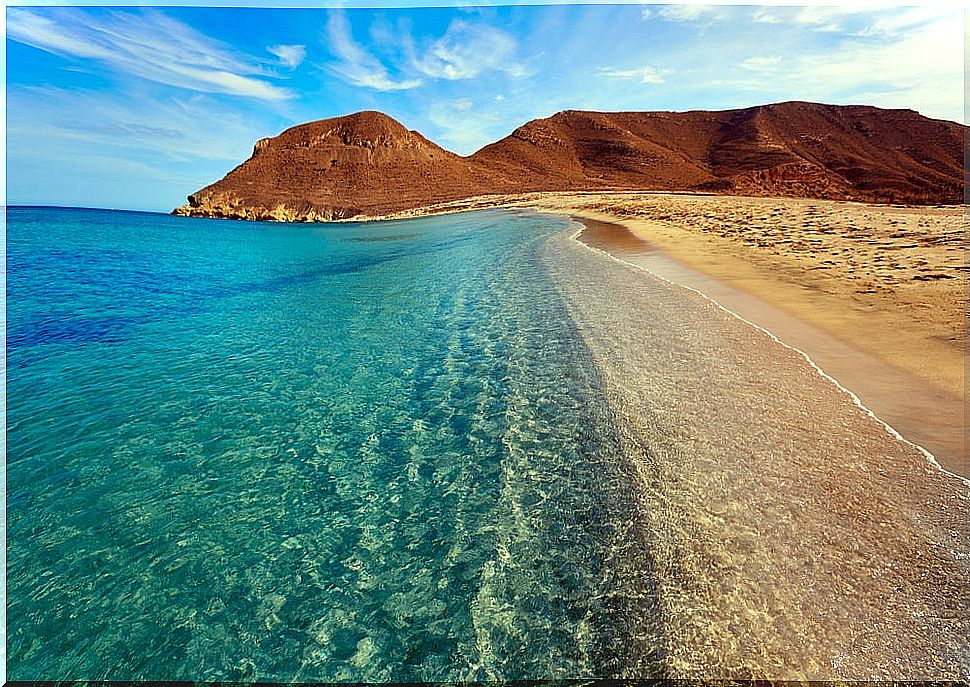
(875, 294)
(419, 343)
(480, 446)
(791, 536)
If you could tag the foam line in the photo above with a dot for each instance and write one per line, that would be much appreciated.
(855, 399)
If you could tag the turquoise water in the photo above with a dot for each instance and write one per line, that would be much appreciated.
(456, 448)
(308, 453)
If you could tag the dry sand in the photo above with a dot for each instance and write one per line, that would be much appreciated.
(888, 281)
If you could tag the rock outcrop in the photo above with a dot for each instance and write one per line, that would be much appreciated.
(369, 164)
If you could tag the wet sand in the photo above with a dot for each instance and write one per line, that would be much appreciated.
(876, 294)
(891, 281)
(926, 415)
(791, 537)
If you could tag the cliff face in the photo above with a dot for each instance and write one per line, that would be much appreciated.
(369, 164)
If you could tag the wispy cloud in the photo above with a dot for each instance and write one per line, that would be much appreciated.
(640, 74)
(851, 20)
(147, 44)
(687, 12)
(830, 18)
(762, 63)
(764, 16)
(461, 128)
(467, 50)
(194, 127)
(918, 68)
(908, 58)
(291, 56)
(355, 65)
(904, 20)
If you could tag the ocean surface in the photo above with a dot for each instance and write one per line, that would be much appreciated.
(455, 448)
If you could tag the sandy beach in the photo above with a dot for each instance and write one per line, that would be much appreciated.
(887, 282)
(790, 536)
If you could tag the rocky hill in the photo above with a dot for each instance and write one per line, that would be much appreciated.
(369, 164)
(337, 168)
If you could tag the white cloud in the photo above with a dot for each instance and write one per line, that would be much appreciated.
(24, 26)
(920, 68)
(762, 63)
(466, 50)
(901, 20)
(462, 105)
(356, 65)
(463, 131)
(642, 74)
(685, 12)
(517, 69)
(291, 56)
(829, 18)
(196, 127)
(762, 16)
(646, 13)
(147, 44)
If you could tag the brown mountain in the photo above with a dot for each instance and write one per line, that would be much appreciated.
(369, 164)
(336, 168)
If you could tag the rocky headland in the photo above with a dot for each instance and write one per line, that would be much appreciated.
(367, 164)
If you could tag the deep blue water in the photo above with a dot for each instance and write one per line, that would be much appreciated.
(335, 452)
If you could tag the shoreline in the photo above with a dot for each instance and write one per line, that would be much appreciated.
(930, 457)
(864, 316)
(781, 511)
(875, 294)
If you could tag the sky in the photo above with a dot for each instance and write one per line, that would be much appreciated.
(136, 107)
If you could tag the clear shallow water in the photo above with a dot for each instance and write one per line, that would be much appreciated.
(300, 453)
(792, 536)
(464, 447)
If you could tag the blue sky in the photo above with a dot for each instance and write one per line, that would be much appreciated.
(137, 107)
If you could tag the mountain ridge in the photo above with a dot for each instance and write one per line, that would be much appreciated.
(367, 163)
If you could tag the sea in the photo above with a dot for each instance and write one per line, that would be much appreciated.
(456, 448)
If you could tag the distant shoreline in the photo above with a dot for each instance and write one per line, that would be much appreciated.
(86, 208)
